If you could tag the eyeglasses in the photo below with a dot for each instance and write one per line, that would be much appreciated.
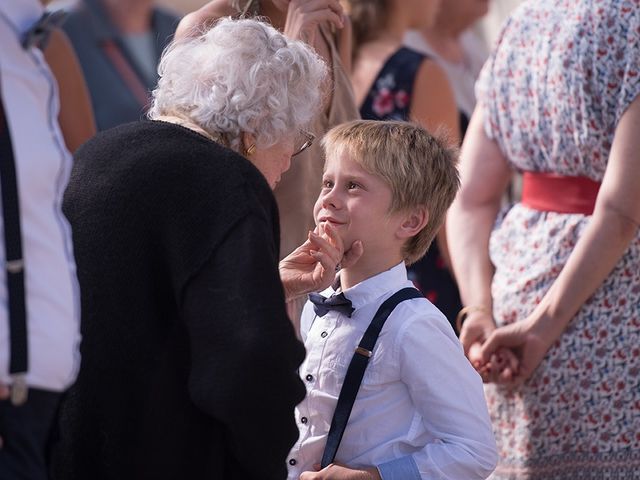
(305, 141)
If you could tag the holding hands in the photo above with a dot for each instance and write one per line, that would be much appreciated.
(525, 341)
(501, 364)
(507, 355)
(312, 266)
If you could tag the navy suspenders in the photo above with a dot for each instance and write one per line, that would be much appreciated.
(356, 369)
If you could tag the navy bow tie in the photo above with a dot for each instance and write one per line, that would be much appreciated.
(339, 303)
(38, 35)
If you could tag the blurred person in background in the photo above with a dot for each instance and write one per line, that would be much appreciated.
(489, 27)
(322, 25)
(457, 48)
(392, 81)
(39, 297)
(556, 277)
(189, 358)
(118, 43)
(76, 114)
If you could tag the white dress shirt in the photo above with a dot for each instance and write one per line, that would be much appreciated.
(30, 98)
(420, 411)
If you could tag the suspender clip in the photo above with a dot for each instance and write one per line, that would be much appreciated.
(15, 266)
(364, 352)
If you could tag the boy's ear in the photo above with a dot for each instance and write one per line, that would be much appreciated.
(414, 221)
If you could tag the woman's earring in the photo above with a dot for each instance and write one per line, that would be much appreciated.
(251, 150)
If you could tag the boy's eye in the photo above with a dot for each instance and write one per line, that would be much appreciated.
(352, 185)
(327, 184)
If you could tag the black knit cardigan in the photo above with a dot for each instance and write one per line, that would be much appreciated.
(188, 358)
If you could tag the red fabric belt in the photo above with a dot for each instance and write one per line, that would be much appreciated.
(549, 192)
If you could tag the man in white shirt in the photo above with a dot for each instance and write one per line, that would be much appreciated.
(420, 411)
(29, 129)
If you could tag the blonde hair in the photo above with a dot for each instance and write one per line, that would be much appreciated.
(419, 168)
(241, 76)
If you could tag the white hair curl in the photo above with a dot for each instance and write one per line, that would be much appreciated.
(241, 76)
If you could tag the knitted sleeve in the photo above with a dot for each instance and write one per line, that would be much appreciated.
(244, 352)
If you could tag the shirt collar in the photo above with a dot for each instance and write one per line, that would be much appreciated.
(22, 13)
(374, 287)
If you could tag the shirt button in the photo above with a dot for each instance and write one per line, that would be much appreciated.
(324, 334)
(304, 419)
(292, 462)
(309, 378)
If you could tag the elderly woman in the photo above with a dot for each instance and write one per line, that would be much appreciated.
(322, 25)
(189, 360)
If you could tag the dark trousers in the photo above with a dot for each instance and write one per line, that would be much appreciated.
(26, 432)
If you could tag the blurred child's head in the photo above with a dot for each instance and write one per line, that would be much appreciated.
(419, 169)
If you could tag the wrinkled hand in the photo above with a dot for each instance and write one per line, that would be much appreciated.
(501, 365)
(312, 266)
(304, 17)
(336, 471)
(526, 342)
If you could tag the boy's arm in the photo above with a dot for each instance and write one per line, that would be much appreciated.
(447, 392)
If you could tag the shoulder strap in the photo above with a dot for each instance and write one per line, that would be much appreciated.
(126, 72)
(14, 265)
(356, 369)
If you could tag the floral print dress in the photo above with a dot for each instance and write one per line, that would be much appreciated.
(390, 99)
(552, 94)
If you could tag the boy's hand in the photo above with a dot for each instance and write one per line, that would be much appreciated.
(340, 472)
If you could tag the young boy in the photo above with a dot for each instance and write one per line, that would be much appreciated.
(420, 411)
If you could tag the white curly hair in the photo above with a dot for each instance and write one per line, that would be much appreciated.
(241, 76)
